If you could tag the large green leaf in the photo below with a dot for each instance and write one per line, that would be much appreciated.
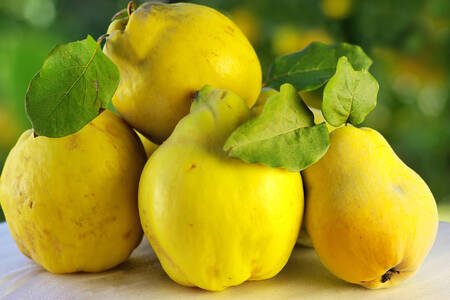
(75, 84)
(310, 68)
(283, 135)
(349, 96)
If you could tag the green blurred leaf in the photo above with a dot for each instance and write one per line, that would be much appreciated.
(76, 82)
(284, 134)
(349, 96)
(310, 68)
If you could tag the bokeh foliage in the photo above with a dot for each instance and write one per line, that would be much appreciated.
(409, 41)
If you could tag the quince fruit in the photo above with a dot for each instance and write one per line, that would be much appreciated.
(372, 220)
(167, 52)
(215, 221)
(71, 202)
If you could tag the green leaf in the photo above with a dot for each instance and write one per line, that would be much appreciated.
(284, 135)
(349, 96)
(310, 68)
(75, 84)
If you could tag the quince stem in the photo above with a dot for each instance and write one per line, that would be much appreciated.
(131, 7)
(100, 40)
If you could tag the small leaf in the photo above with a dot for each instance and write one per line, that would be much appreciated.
(349, 95)
(75, 84)
(310, 68)
(284, 134)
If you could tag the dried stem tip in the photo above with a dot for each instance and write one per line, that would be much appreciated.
(102, 37)
(131, 7)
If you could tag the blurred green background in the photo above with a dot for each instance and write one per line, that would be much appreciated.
(409, 41)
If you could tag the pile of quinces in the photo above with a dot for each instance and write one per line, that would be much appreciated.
(221, 199)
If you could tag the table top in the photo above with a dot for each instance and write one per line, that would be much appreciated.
(141, 277)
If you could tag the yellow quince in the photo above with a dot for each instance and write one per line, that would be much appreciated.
(372, 220)
(167, 52)
(71, 202)
(215, 221)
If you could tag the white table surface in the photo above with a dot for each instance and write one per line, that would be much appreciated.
(141, 277)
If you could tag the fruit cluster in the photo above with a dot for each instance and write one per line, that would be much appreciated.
(221, 199)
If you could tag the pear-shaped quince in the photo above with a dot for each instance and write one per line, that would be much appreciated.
(372, 219)
(215, 221)
(167, 52)
(303, 236)
(71, 202)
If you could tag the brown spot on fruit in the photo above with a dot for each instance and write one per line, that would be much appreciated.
(73, 142)
(110, 219)
(230, 30)
(193, 166)
(213, 271)
(30, 204)
(112, 130)
(257, 270)
(59, 214)
(127, 234)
